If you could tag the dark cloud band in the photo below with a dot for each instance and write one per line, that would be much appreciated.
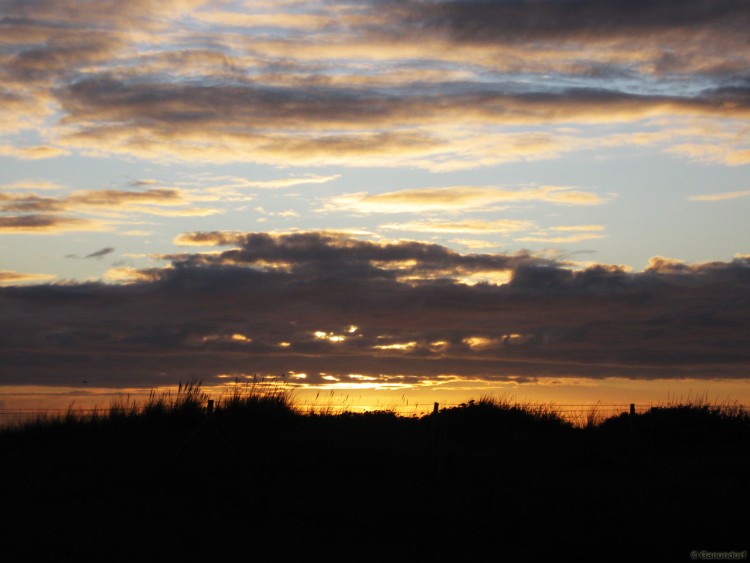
(319, 304)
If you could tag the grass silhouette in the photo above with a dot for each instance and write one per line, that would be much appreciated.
(262, 479)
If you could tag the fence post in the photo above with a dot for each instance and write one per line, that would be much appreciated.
(210, 406)
(436, 443)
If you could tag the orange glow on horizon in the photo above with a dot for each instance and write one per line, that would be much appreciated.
(360, 393)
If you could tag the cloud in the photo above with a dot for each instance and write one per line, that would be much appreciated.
(475, 244)
(39, 214)
(723, 153)
(100, 253)
(475, 226)
(720, 196)
(47, 224)
(32, 153)
(340, 255)
(45, 43)
(561, 239)
(350, 126)
(438, 85)
(8, 278)
(255, 20)
(235, 182)
(287, 213)
(578, 228)
(415, 318)
(32, 185)
(457, 198)
(224, 238)
(488, 22)
(137, 233)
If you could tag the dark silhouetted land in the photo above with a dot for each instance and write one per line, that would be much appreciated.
(259, 481)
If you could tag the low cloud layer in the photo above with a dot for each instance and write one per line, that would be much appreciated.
(338, 309)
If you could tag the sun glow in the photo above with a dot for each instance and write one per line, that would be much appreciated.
(479, 342)
(401, 346)
(330, 336)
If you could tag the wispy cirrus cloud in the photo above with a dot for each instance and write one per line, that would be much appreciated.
(236, 182)
(475, 226)
(720, 196)
(565, 234)
(458, 198)
(97, 255)
(718, 152)
(475, 244)
(31, 184)
(578, 228)
(32, 152)
(560, 239)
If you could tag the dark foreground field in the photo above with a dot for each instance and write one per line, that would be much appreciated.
(256, 481)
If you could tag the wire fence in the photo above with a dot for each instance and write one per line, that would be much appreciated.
(576, 413)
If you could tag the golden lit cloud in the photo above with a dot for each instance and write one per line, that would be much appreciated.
(400, 346)
(127, 276)
(457, 198)
(236, 182)
(480, 342)
(95, 95)
(209, 239)
(720, 196)
(574, 233)
(32, 153)
(48, 224)
(578, 228)
(330, 336)
(8, 278)
(465, 226)
(278, 20)
(475, 244)
(703, 152)
(137, 233)
(35, 214)
(494, 278)
(32, 185)
(335, 84)
(561, 240)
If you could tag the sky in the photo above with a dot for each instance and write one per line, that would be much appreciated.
(380, 202)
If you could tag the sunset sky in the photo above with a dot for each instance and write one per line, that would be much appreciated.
(388, 200)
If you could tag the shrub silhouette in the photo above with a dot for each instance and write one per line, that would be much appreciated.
(489, 479)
